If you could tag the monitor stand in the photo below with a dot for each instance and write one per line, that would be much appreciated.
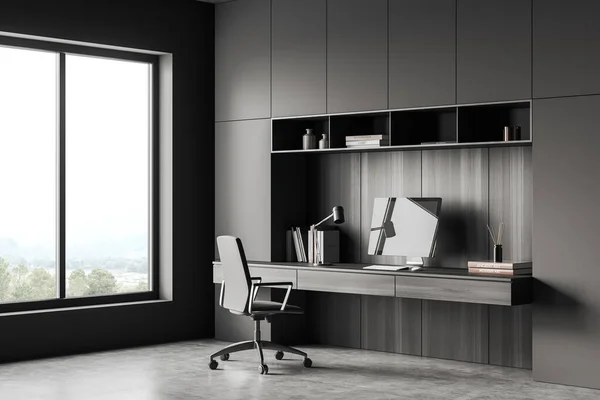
(414, 261)
(412, 264)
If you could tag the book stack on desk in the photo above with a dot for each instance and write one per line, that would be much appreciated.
(500, 268)
(367, 141)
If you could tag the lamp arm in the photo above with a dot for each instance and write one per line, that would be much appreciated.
(324, 219)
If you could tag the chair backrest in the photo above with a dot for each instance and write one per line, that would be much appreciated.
(235, 272)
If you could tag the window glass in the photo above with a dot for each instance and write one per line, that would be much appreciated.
(107, 176)
(28, 165)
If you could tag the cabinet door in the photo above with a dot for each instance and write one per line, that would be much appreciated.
(243, 184)
(493, 50)
(566, 190)
(566, 59)
(422, 51)
(356, 55)
(299, 46)
(243, 60)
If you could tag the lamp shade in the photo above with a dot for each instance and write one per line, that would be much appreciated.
(338, 215)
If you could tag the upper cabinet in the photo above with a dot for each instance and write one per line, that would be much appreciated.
(243, 60)
(494, 50)
(422, 52)
(299, 48)
(566, 56)
(357, 53)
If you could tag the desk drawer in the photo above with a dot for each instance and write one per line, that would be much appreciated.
(466, 291)
(346, 282)
(267, 274)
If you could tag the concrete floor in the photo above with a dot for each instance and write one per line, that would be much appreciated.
(180, 371)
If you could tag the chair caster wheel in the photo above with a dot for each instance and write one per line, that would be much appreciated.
(279, 355)
(307, 362)
(225, 357)
(213, 364)
(263, 369)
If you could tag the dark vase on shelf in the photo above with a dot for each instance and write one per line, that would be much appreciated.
(498, 253)
(309, 140)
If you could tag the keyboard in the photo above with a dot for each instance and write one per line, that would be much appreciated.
(387, 267)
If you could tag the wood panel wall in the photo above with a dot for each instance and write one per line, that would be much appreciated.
(477, 186)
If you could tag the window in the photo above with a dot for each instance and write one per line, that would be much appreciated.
(76, 170)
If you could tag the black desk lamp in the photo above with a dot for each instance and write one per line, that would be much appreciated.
(338, 218)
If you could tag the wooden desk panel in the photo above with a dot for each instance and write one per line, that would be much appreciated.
(464, 291)
(345, 282)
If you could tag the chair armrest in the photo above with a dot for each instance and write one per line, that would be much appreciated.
(287, 294)
(222, 293)
(255, 292)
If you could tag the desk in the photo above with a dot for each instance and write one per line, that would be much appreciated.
(434, 312)
(442, 284)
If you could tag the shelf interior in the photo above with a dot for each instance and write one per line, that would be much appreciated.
(357, 124)
(486, 123)
(429, 126)
(287, 133)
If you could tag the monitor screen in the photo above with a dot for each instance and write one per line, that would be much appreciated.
(404, 226)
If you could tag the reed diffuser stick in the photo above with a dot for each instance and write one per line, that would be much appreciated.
(491, 234)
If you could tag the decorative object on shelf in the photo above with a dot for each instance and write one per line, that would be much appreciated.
(315, 251)
(324, 142)
(507, 133)
(497, 242)
(512, 133)
(309, 140)
(517, 133)
(367, 141)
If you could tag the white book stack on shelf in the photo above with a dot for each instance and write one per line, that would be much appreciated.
(367, 141)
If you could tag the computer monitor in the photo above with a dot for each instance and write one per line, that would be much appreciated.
(404, 226)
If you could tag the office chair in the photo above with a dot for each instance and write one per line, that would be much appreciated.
(238, 295)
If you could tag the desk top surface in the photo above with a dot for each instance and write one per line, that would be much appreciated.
(426, 272)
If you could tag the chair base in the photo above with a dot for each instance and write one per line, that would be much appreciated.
(259, 345)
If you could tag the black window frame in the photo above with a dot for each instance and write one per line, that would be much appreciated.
(62, 49)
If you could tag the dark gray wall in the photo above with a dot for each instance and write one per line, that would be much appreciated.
(184, 28)
(566, 322)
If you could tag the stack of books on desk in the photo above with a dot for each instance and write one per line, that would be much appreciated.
(367, 141)
(500, 268)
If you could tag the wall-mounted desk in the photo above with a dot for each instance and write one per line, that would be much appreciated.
(443, 284)
(434, 312)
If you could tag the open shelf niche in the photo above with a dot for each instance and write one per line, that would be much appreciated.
(477, 125)
(485, 123)
(424, 127)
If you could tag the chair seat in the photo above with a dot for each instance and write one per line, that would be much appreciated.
(261, 307)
